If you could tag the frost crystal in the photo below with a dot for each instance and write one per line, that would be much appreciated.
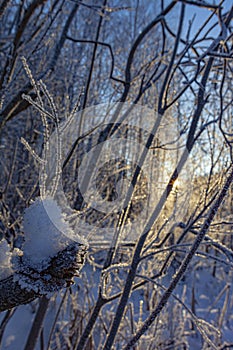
(44, 234)
(5, 260)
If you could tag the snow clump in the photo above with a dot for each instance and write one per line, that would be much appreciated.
(46, 232)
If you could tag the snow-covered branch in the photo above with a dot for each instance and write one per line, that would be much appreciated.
(27, 284)
(47, 260)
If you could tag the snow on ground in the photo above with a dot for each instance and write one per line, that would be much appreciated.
(208, 293)
(17, 330)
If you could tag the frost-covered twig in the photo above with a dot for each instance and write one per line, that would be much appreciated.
(52, 253)
(204, 327)
(185, 263)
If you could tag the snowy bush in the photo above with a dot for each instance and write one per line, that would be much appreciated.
(5, 260)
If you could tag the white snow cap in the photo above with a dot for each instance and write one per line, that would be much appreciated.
(5, 260)
(43, 225)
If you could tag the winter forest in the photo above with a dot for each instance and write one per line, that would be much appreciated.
(116, 181)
